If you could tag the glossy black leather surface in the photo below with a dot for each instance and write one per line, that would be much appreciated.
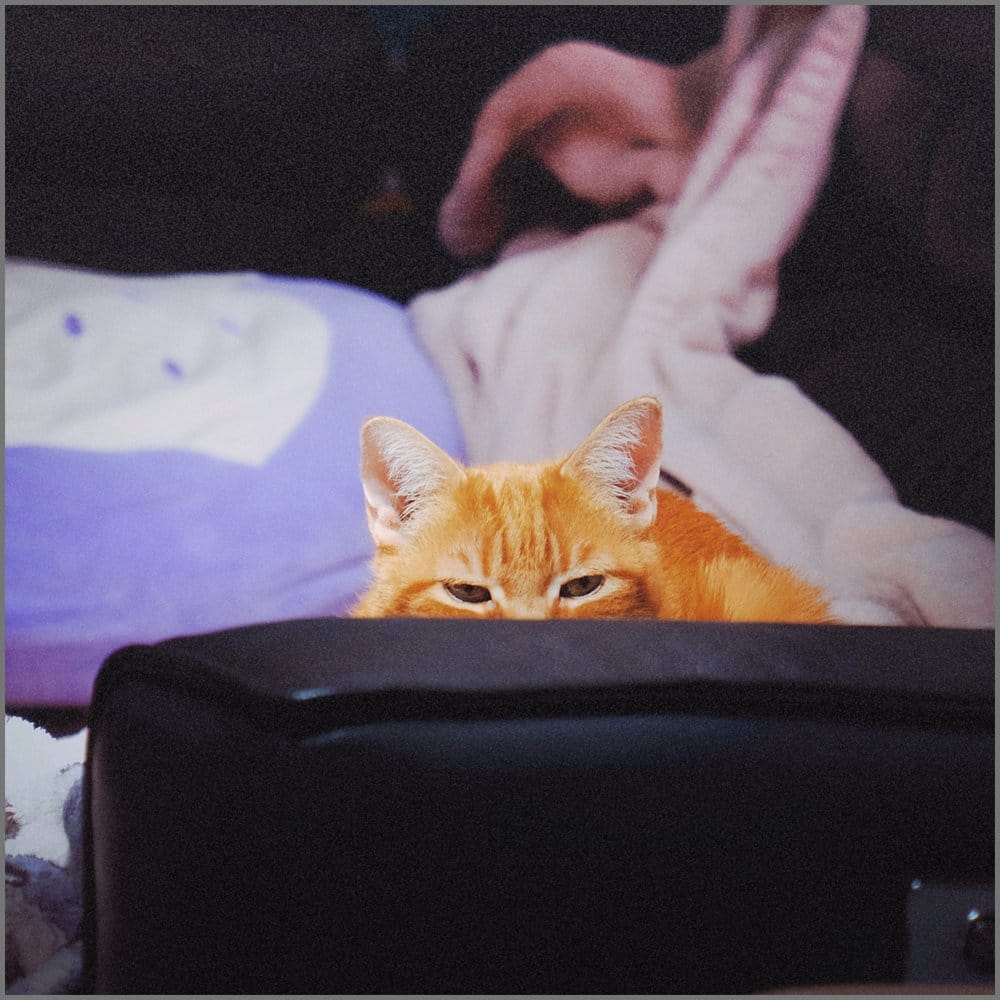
(406, 807)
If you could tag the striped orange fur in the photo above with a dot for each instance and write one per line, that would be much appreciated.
(589, 535)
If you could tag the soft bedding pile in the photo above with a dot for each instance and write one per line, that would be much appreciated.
(567, 326)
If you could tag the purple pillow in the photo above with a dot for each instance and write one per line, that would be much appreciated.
(148, 520)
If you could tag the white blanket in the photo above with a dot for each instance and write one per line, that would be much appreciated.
(541, 345)
(43, 898)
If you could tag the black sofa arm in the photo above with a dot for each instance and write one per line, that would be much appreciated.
(513, 807)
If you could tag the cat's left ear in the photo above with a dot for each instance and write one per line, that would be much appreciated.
(621, 459)
(401, 473)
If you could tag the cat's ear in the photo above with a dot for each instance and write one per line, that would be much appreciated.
(621, 459)
(401, 474)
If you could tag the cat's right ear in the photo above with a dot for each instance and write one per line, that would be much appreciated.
(401, 473)
(621, 459)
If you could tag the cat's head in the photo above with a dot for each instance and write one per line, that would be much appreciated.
(554, 539)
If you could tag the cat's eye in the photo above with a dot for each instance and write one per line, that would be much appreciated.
(581, 586)
(470, 593)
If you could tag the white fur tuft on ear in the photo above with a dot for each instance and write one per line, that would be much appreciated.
(401, 473)
(621, 459)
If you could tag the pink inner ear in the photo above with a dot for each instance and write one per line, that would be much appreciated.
(622, 456)
(646, 452)
(643, 445)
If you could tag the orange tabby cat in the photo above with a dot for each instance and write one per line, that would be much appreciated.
(590, 535)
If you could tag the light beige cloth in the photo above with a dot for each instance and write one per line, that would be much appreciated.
(538, 347)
